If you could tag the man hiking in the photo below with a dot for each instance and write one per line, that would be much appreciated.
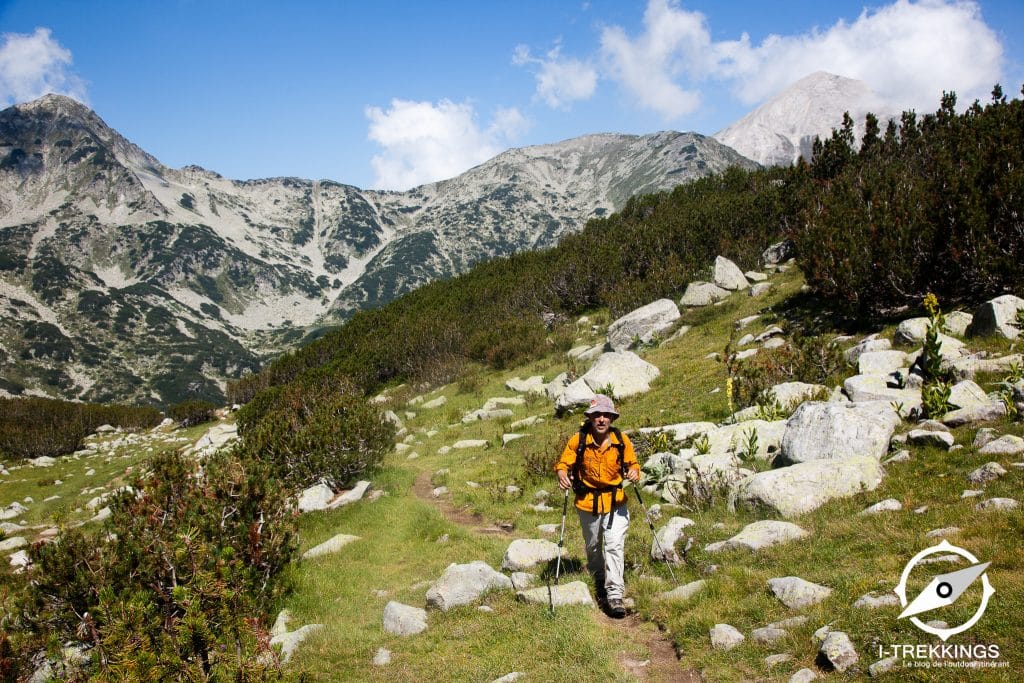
(594, 464)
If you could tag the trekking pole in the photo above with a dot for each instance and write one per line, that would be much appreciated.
(661, 550)
(561, 542)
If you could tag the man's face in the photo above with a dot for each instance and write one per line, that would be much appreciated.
(601, 423)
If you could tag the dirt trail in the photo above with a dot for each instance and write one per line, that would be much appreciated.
(661, 666)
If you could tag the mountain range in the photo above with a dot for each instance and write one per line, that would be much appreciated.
(122, 279)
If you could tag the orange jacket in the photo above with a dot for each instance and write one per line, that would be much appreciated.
(600, 469)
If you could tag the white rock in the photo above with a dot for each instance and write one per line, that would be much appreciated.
(887, 505)
(642, 325)
(289, 642)
(404, 620)
(332, 545)
(383, 657)
(663, 547)
(996, 317)
(702, 294)
(626, 372)
(852, 354)
(525, 553)
(987, 473)
(315, 498)
(1004, 445)
(353, 495)
(685, 592)
(725, 637)
(997, 505)
(839, 651)
(804, 675)
(796, 593)
(800, 488)
(530, 385)
(573, 593)
(874, 601)
(469, 443)
(464, 584)
(823, 430)
(727, 274)
(924, 437)
(758, 535)
(881, 362)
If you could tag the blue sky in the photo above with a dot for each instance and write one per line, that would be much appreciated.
(393, 94)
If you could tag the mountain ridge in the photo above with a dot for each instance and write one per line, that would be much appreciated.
(101, 244)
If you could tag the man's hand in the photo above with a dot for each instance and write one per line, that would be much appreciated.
(563, 480)
(633, 474)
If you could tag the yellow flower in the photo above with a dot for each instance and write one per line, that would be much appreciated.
(931, 304)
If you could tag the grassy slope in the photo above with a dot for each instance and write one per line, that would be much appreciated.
(406, 543)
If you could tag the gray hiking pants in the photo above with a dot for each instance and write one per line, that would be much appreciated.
(606, 562)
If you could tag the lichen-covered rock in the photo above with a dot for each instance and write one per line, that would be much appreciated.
(794, 490)
(642, 325)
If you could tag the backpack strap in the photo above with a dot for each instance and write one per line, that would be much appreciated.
(577, 468)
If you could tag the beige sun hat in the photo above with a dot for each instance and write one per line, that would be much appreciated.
(601, 404)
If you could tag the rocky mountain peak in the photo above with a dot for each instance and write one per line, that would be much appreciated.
(783, 129)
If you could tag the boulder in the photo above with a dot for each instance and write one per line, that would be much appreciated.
(838, 652)
(806, 486)
(989, 505)
(353, 495)
(436, 403)
(685, 592)
(576, 394)
(853, 354)
(967, 394)
(868, 388)
(875, 601)
(993, 410)
(791, 394)
(883, 666)
(683, 430)
(822, 430)
(969, 366)
(925, 437)
(329, 546)
(315, 498)
(530, 385)
(987, 473)
(404, 620)
(887, 505)
(881, 362)
(1004, 445)
(727, 275)
(525, 553)
(725, 637)
(911, 331)
(626, 372)
(663, 547)
(733, 438)
(290, 640)
(804, 675)
(573, 593)
(996, 317)
(796, 593)
(758, 535)
(464, 584)
(642, 325)
(759, 289)
(469, 443)
(780, 252)
(702, 294)
(768, 635)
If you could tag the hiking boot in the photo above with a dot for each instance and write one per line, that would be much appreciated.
(616, 609)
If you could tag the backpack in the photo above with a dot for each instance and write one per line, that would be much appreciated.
(581, 489)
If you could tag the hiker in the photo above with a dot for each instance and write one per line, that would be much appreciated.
(595, 472)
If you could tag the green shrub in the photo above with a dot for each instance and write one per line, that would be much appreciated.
(35, 427)
(178, 583)
(317, 430)
(193, 412)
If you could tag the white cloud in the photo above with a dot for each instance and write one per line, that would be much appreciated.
(560, 81)
(908, 52)
(32, 65)
(649, 67)
(424, 142)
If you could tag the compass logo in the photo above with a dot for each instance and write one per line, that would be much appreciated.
(944, 589)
